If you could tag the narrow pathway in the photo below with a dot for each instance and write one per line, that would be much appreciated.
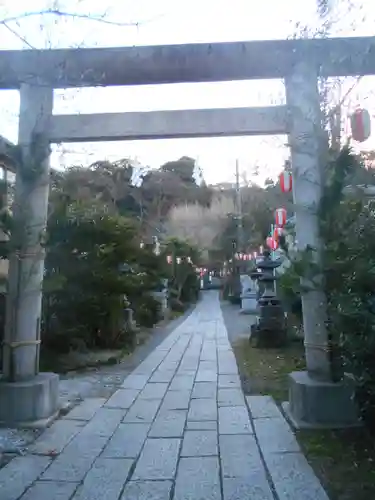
(179, 428)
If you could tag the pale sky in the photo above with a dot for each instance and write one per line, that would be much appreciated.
(170, 22)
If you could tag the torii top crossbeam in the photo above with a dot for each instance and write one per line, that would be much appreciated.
(203, 62)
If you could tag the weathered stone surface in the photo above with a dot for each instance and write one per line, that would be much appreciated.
(239, 455)
(143, 410)
(275, 436)
(254, 487)
(198, 478)
(56, 437)
(162, 376)
(209, 366)
(176, 400)
(19, 474)
(127, 441)
(105, 480)
(134, 381)
(154, 391)
(169, 423)
(123, 398)
(229, 381)
(202, 409)
(158, 459)
(184, 382)
(231, 397)
(206, 425)
(234, 420)
(206, 376)
(76, 460)
(293, 477)
(204, 390)
(147, 490)
(46, 490)
(199, 444)
(86, 410)
(104, 422)
(263, 407)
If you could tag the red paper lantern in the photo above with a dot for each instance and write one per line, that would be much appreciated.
(286, 182)
(360, 124)
(280, 217)
(271, 243)
(278, 231)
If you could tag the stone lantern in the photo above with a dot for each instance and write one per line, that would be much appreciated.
(269, 329)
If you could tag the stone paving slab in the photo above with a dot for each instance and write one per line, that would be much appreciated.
(177, 428)
(86, 410)
(105, 480)
(293, 477)
(275, 436)
(147, 490)
(158, 459)
(20, 474)
(127, 441)
(200, 443)
(55, 438)
(198, 479)
(41, 490)
(263, 407)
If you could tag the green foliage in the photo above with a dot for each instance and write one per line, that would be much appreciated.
(85, 287)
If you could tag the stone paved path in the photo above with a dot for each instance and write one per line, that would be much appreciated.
(179, 428)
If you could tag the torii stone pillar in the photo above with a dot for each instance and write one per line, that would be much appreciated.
(314, 399)
(27, 396)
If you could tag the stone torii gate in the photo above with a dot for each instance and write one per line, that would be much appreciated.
(27, 396)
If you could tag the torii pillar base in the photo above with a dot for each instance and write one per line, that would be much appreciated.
(315, 404)
(29, 403)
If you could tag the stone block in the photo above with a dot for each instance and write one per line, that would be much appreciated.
(239, 455)
(234, 420)
(229, 381)
(198, 478)
(154, 391)
(206, 425)
(134, 381)
(162, 376)
(122, 398)
(293, 477)
(206, 376)
(86, 410)
(142, 411)
(275, 436)
(147, 490)
(209, 366)
(169, 423)
(176, 400)
(263, 407)
(105, 480)
(19, 474)
(255, 486)
(231, 397)
(76, 460)
(104, 422)
(202, 409)
(199, 443)
(29, 403)
(56, 437)
(204, 390)
(41, 490)
(313, 403)
(184, 382)
(158, 459)
(127, 441)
